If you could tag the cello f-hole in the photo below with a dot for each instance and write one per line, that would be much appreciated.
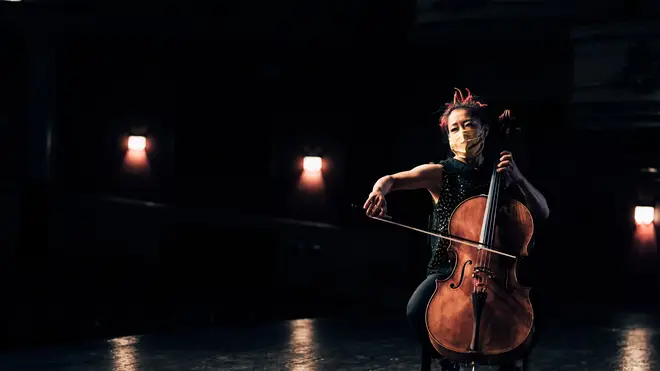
(460, 281)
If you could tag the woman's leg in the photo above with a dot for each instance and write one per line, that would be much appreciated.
(416, 313)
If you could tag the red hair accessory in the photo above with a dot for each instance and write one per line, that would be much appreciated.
(469, 101)
(506, 115)
(460, 101)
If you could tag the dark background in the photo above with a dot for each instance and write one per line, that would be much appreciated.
(232, 99)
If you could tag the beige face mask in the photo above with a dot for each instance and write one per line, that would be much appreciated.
(467, 144)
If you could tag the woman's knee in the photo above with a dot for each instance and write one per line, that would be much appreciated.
(412, 311)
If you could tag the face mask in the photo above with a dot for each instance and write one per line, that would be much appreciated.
(467, 144)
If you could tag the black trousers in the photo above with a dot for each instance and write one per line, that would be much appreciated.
(416, 311)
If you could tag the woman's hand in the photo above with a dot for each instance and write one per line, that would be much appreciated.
(376, 206)
(508, 166)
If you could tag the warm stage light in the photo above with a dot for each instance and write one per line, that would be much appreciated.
(137, 143)
(644, 215)
(312, 163)
(135, 158)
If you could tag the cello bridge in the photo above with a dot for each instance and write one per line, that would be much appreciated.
(479, 271)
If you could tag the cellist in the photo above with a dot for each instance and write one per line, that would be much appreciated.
(466, 124)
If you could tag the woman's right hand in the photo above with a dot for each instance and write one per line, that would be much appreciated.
(376, 205)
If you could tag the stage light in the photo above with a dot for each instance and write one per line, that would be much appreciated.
(312, 163)
(644, 215)
(137, 143)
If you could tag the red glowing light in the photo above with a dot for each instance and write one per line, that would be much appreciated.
(644, 215)
(312, 163)
(137, 143)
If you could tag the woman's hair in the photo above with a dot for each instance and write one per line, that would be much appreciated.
(470, 103)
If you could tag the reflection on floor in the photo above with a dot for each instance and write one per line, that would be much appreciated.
(627, 342)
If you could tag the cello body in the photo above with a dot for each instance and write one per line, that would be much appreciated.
(481, 313)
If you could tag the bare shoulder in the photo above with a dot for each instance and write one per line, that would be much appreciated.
(419, 177)
(432, 175)
(431, 168)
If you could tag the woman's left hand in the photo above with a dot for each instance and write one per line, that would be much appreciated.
(508, 166)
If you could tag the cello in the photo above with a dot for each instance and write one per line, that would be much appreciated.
(480, 313)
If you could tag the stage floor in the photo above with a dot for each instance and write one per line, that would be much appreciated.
(627, 342)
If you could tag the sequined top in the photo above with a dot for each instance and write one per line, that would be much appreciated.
(459, 182)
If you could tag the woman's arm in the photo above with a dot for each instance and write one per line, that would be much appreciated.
(535, 200)
(423, 176)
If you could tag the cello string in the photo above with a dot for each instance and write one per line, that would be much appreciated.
(493, 215)
(476, 282)
(487, 232)
(483, 239)
(490, 232)
(490, 223)
(489, 237)
(481, 257)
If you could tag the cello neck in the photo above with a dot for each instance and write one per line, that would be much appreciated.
(490, 214)
(488, 226)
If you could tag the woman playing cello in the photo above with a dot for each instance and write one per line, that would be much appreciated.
(450, 182)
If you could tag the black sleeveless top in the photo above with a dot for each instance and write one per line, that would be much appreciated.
(459, 182)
